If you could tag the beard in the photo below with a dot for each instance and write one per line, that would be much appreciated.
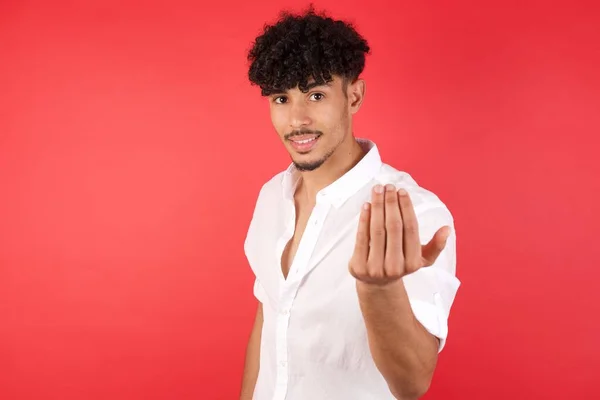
(308, 166)
(304, 166)
(311, 165)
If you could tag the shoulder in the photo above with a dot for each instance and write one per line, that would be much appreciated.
(267, 205)
(272, 190)
(270, 197)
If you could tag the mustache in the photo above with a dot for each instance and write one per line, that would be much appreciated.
(302, 132)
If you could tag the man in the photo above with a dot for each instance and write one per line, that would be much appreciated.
(351, 305)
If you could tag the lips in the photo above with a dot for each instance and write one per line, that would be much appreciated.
(304, 143)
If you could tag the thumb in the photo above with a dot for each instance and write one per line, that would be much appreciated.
(432, 250)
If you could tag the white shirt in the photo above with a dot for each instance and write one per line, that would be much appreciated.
(314, 340)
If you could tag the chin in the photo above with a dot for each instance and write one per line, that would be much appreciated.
(309, 163)
(309, 160)
(307, 166)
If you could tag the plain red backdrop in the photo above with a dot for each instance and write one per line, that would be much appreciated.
(132, 149)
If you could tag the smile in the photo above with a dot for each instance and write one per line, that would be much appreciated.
(306, 141)
(304, 144)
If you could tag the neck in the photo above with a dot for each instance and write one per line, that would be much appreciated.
(346, 156)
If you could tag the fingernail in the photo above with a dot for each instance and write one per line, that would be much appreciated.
(447, 232)
(378, 189)
(389, 187)
(402, 192)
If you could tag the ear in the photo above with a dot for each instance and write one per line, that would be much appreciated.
(356, 94)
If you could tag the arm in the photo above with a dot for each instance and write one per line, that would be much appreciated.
(251, 363)
(387, 250)
(403, 351)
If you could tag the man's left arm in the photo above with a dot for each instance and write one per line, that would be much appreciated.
(388, 257)
(403, 350)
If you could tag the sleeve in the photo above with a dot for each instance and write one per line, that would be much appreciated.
(259, 291)
(431, 290)
(250, 241)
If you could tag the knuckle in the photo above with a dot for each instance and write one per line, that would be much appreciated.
(412, 266)
(394, 225)
(377, 274)
(375, 268)
(411, 228)
(394, 274)
(355, 265)
(378, 231)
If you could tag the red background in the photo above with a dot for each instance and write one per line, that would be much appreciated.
(132, 149)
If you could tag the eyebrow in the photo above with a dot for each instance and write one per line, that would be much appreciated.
(309, 86)
(313, 85)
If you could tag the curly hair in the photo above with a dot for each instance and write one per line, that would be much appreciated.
(299, 47)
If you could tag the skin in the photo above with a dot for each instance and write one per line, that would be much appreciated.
(325, 109)
(387, 249)
(387, 243)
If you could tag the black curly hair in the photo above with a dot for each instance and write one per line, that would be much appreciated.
(299, 47)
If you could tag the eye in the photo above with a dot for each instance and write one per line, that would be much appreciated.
(317, 96)
(280, 100)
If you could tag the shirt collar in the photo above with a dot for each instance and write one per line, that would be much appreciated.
(348, 184)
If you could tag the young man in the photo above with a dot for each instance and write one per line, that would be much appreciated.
(351, 305)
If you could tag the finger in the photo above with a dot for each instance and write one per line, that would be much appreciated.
(361, 248)
(432, 250)
(412, 242)
(377, 233)
(394, 258)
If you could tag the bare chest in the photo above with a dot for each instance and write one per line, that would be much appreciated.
(289, 252)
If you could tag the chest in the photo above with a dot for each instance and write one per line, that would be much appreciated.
(319, 308)
(292, 250)
(301, 260)
(291, 247)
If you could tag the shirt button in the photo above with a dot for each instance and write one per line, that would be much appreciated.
(285, 312)
(283, 363)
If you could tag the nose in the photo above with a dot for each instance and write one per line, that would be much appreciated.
(299, 115)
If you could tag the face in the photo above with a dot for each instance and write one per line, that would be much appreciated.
(315, 125)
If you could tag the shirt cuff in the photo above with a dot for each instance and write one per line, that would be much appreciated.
(259, 291)
(432, 317)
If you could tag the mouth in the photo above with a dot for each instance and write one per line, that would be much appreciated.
(304, 143)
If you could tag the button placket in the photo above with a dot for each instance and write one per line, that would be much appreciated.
(289, 289)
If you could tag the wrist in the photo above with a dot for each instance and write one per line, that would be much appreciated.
(392, 294)
(379, 288)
